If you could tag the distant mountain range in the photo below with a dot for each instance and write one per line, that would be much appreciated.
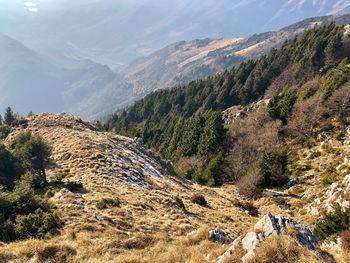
(49, 80)
(116, 32)
(32, 81)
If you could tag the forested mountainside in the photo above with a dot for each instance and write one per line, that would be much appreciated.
(91, 90)
(182, 62)
(303, 84)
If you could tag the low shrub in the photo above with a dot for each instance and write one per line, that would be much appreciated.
(246, 206)
(74, 186)
(345, 240)
(279, 200)
(107, 203)
(50, 193)
(314, 155)
(36, 225)
(273, 163)
(250, 185)
(332, 223)
(338, 135)
(330, 175)
(199, 200)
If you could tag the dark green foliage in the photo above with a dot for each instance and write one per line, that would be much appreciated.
(50, 193)
(339, 135)
(36, 224)
(23, 198)
(8, 169)
(314, 155)
(190, 172)
(9, 117)
(198, 135)
(280, 105)
(4, 131)
(332, 224)
(335, 78)
(185, 121)
(330, 174)
(33, 153)
(21, 174)
(212, 173)
(308, 93)
(273, 165)
(105, 203)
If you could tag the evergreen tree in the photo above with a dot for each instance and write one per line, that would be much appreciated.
(9, 117)
(33, 153)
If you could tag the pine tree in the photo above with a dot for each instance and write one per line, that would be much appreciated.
(9, 117)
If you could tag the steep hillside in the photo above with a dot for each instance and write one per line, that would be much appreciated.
(112, 166)
(182, 62)
(150, 224)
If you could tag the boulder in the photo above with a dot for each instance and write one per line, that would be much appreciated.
(267, 225)
(270, 225)
(251, 241)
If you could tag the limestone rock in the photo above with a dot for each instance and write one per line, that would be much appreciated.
(267, 225)
(138, 141)
(251, 241)
(247, 256)
(229, 252)
(346, 183)
(220, 236)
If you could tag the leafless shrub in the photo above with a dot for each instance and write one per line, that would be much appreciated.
(250, 184)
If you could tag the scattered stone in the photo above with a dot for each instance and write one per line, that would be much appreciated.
(291, 182)
(61, 193)
(96, 217)
(138, 141)
(346, 183)
(219, 236)
(273, 194)
(333, 245)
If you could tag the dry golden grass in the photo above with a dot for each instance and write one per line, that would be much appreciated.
(147, 227)
(284, 249)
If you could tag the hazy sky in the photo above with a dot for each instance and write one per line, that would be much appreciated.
(128, 29)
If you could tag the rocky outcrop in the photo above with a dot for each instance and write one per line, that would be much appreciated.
(337, 194)
(270, 225)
